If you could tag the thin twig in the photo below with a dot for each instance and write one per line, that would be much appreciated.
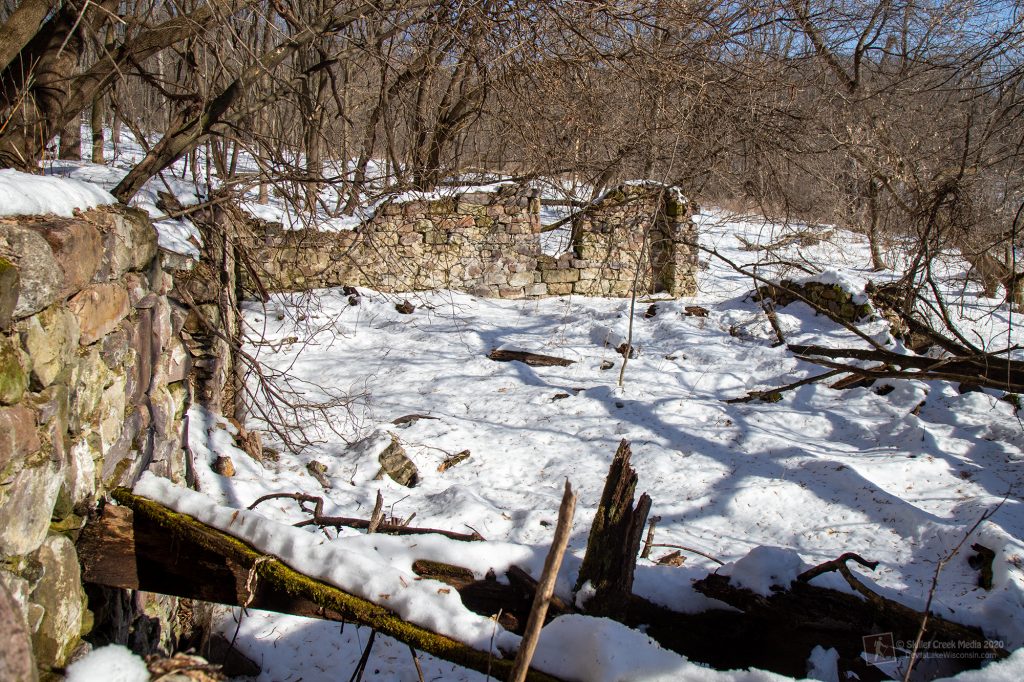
(690, 549)
(337, 521)
(357, 674)
(935, 583)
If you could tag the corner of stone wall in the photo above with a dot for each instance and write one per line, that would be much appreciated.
(92, 392)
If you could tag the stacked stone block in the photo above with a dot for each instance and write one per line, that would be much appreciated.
(92, 390)
(488, 244)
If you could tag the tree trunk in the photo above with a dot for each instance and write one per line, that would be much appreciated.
(874, 239)
(71, 141)
(96, 126)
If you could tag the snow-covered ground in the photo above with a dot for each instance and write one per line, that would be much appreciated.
(898, 477)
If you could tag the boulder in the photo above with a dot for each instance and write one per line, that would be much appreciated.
(77, 248)
(13, 377)
(10, 285)
(40, 276)
(51, 339)
(99, 309)
(60, 594)
(18, 437)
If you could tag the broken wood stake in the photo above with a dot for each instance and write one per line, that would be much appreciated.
(649, 542)
(546, 587)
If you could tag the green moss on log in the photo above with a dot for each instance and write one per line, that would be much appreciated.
(295, 584)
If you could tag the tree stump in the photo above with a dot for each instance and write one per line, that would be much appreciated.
(614, 539)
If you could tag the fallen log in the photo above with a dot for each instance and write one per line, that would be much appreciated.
(989, 370)
(142, 545)
(805, 616)
(532, 359)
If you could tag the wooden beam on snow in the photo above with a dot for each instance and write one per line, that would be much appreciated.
(142, 545)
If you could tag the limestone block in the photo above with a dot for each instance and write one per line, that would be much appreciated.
(560, 276)
(25, 508)
(163, 325)
(495, 277)
(587, 287)
(52, 404)
(18, 586)
(40, 276)
(60, 594)
(51, 339)
(10, 286)
(16, 663)
(13, 377)
(78, 249)
(559, 289)
(115, 350)
(520, 279)
(442, 206)
(18, 436)
(174, 363)
(619, 288)
(80, 470)
(476, 198)
(129, 244)
(110, 416)
(120, 460)
(408, 209)
(89, 378)
(538, 289)
(99, 308)
(164, 408)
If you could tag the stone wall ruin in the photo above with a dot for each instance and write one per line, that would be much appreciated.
(488, 244)
(92, 392)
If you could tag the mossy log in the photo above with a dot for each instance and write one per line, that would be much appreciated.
(143, 545)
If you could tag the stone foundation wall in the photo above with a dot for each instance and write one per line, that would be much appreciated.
(645, 228)
(488, 244)
(92, 392)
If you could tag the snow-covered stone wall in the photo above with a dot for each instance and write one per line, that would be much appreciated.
(92, 392)
(488, 244)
